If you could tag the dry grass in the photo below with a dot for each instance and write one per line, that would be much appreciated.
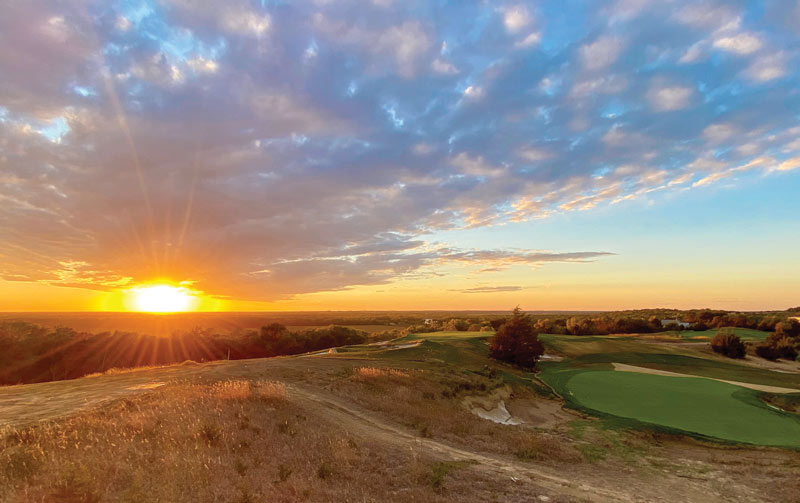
(430, 403)
(372, 373)
(127, 370)
(240, 390)
(230, 441)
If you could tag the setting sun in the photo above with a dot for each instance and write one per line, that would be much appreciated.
(162, 299)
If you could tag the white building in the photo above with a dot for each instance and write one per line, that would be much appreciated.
(683, 324)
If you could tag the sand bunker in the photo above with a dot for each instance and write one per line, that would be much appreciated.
(406, 346)
(758, 387)
(331, 351)
(552, 358)
(499, 414)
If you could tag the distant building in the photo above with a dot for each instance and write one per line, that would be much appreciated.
(683, 324)
(428, 321)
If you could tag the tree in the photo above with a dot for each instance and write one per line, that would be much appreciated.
(517, 342)
(727, 343)
(788, 328)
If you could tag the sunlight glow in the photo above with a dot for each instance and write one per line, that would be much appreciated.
(162, 299)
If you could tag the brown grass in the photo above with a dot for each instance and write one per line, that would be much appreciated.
(371, 373)
(231, 441)
(430, 402)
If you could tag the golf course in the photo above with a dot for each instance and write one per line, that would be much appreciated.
(673, 388)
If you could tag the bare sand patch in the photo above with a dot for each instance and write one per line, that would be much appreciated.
(758, 387)
(405, 346)
(499, 414)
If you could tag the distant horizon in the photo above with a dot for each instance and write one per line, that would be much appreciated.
(537, 311)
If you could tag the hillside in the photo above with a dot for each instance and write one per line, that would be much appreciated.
(398, 421)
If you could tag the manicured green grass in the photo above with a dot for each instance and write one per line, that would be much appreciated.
(746, 334)
(694, 405)
(447, 336)
(587, 351)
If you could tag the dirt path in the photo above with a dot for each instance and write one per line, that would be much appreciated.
(758, 387)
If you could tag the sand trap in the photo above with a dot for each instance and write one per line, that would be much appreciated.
(406, 346)
(758, 387)
(498, 415)
(552, 358)
(331, 351)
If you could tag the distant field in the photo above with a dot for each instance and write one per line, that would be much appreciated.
(746, 334)
(366, 328)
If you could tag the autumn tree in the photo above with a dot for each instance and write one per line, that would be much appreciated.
(727, 343)
(517, 342)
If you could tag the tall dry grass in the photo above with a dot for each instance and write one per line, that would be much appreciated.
(229, 441)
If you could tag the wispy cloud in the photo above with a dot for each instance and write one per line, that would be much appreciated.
(489, 289)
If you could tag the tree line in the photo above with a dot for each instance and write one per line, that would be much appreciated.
(32, 353)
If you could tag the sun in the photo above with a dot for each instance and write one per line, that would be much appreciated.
(162, 299)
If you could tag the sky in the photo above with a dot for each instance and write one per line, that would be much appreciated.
(388, 154)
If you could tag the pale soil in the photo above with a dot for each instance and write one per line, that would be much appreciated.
(502, 407)
(758, 387)
(404, 346)
(665, 468)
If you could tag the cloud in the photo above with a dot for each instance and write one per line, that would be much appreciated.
(473, 92)
(516, 18)
(246, 22)
(265, 151)
(489, 289)
(442, 66)
(742, 43)
(669, 98)
(530, 40)
(601, 53)
(768, 68)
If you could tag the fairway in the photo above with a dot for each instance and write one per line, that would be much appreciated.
(746, 334)
(694, 405)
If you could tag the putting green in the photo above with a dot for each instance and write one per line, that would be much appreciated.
(694, 405)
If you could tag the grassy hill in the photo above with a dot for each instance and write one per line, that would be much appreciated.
(401, 420)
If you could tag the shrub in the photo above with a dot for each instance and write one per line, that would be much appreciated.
(788, 328)
(727, 343)
(517, 342)
(767, 352)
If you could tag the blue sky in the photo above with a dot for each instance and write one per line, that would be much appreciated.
(267, 151)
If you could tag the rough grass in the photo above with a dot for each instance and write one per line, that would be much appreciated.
(235, 440)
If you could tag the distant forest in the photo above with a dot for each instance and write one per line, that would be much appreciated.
(34, 353)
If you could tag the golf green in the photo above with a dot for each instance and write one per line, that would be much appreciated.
(690, 404)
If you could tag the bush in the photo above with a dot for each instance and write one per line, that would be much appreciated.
(517, 342)
(767, 352)
(728, 344)
(788, 328)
